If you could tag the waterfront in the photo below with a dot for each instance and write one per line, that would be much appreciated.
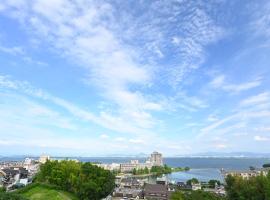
(203, 169)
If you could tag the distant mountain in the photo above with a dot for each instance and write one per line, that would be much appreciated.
(139, 155)
(227, 154)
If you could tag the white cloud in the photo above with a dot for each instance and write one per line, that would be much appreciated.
(219, 82)
(120, 139)
(104, 136)
(260, 19)
(261, 138)
(137, 141)
(16, 50)
(221, 146)
(138, 124)
(257, 99)
(263, 129)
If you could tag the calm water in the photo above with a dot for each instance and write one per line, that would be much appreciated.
(200, 174)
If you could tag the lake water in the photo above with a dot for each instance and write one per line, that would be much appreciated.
(200, 174)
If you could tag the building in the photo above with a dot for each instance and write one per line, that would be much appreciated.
(43, 158)
(196, 186)
(12, 176)
(134, 164)
(156, 159)
(162, 180)
(128, 193)
(156, 192)
(244, 174)
(128, 167)
(130, 183)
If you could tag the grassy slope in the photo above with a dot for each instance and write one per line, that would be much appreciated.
(42, 193)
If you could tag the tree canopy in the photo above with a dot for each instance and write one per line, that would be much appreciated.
(195, 195)
(248, 189)
(85, 180)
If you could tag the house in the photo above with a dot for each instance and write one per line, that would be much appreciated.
(246, 174)
(128, 193)
(156, 192)
(13, 175)
(162, 180)
(129, 183)
(183, 186)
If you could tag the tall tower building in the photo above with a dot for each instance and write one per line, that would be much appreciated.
(156, 159)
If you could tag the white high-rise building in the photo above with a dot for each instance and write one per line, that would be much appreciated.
(156, 159)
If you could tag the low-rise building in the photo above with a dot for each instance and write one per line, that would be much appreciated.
(156, 192)
(244, 174)
(128, 193)
(130, 183)
(196, 186)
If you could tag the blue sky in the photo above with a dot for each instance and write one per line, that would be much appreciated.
(123, 77)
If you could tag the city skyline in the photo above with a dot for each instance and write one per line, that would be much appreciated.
(84, 78)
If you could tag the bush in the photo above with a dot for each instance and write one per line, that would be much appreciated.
(11, 196)
(266, 165)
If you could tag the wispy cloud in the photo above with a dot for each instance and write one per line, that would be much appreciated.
(219, 82)
(257, 99)
(103, 119)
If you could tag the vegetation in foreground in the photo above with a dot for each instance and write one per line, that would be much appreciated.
(45, 192)
(84, 180)
(195, 195)
(11, 196)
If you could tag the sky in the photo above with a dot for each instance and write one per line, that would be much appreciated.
(116, 77)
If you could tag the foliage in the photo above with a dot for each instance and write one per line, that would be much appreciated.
(177, 196)
(45, 192)
(140, 171)
(212, 183)
(161, 170)
(187, 168)
(195, 195)
(266, 165)
(85, 180)
(2, 189)
(11, 196)
(192, 181)
(248, 189)
(180, 169)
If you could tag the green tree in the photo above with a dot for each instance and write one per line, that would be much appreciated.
(85, 180)
(134, 171)
(177, 196)
(212, 183)
(192, 181)
(10, 196)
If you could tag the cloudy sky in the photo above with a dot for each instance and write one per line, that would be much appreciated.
(123, 77)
